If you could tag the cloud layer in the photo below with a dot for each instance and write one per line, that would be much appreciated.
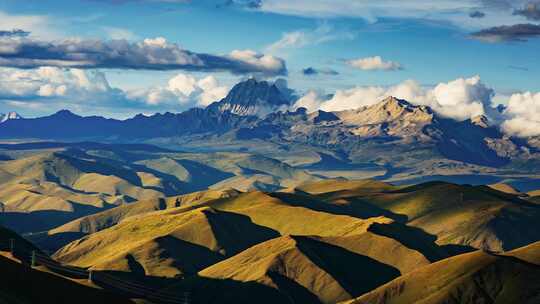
(14, 33)
(460, 99)
(303, 38)
(183, 91)
(49, 82)
(149, 54)
(531, 11)
(488, 20)
(47, 88)
(457, 12)
(38, 25)
(517, 32)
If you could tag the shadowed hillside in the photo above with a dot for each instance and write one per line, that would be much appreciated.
(313, 242)
(46, 185)
(477, 277)
(24, 285)
(166, 244)
(320, 269)
(21, 285)
(224, 231)
(478, 216)
(56, 238)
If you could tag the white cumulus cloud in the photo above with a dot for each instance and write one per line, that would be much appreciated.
(462, 98)
(312, 101)
(52, 82)
(184, 91)
(269, 64)
(523, 115)
(53, 88)
(459, 99)
(375, 63)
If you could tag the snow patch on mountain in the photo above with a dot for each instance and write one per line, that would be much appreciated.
(9, 116)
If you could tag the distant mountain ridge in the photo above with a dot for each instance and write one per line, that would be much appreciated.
(9, 116)
(254, 110)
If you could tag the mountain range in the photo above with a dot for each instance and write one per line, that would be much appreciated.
(242, 227)
(395, 138)
(9, 116)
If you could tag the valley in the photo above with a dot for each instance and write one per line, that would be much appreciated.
(240, 225)
(245, 202)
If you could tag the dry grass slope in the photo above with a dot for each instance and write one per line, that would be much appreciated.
(477, 277)
(166, 244)
(480, 217)
(315, 243)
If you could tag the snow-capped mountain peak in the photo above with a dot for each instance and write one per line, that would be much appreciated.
(252, 97)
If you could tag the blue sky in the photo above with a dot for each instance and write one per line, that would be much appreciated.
(430, 42)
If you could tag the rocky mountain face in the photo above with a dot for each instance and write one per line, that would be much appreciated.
(392, 126)
(391, 117)
(253, 97)
(389, 131)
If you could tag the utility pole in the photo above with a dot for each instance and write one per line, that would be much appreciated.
(34, 262)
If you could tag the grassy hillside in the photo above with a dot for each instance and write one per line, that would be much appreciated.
(289, 238)
(478, 216)
(314, 269)
(252, 172)
(99, 221)
(336, 185)
(50, 188)
(291, 264)
(23, 285)
(227, 234)
(529, 253)
(56, 238)
(504, 188)
(477, 277)
(20, 244)
(166, 244)
(47, 185)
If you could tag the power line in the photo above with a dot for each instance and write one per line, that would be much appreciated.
(116, 284)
